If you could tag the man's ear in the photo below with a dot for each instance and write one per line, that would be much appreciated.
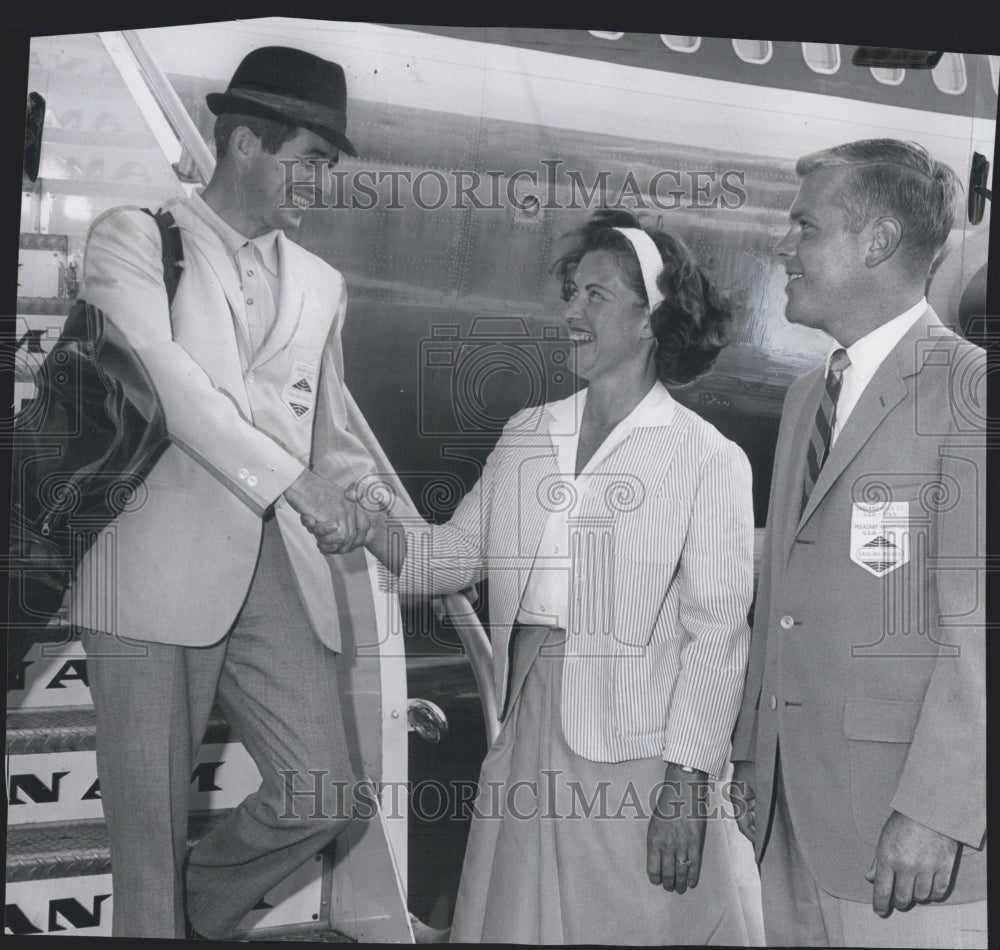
(885, 235)
(243, 144)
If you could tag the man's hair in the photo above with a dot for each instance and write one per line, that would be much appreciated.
(272, 133)
(900, 179)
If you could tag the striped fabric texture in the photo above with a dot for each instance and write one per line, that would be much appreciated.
(660, 581)
(819, 438)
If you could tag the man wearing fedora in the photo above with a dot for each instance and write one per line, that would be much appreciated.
(209, 588)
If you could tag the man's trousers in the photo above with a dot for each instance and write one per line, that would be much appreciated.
(276, 684)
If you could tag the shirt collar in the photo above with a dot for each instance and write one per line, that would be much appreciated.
(656, 408)
(868, 353)
(266, 243)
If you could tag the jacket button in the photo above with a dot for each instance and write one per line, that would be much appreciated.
(787, 622)
(252, 481)
(774, 702)
(243, 472)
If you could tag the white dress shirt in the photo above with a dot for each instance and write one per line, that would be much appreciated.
(546, 597)
(256, 263)
(867, 355)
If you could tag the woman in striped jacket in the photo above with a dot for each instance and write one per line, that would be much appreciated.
(615, 529)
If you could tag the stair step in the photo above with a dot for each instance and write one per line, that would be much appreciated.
(74, 729)
(69, 863)
(312, 936)
(73, 848)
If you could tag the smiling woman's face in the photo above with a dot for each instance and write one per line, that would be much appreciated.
(608, 322)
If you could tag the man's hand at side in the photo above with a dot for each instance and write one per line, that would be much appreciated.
(744, 798)
(913, 863)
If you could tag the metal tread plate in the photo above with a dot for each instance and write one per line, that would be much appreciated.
(74, 729)
(73, 848)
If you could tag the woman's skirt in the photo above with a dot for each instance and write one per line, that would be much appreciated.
(557, 847)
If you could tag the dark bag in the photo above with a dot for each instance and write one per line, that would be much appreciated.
(81, 451)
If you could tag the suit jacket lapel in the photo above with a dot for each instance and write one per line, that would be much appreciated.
(291, 300)
(216, 253)
(882, 394)
(790, 469)
(207, 328)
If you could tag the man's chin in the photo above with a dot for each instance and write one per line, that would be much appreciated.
(291, 218)
(797, 316)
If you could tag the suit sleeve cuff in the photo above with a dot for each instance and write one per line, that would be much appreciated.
(948, 821)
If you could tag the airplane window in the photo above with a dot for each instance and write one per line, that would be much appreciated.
(605, 34)
(995, 71)
(821, 57)
(753, 51)
(681, 44)
(888, 76)
(949, 74)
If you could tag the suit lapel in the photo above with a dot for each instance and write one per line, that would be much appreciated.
(883, 393)
(290, 304)
(208, 328)
(790, 464)
(213, 248)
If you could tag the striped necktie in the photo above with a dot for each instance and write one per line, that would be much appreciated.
(826, 414)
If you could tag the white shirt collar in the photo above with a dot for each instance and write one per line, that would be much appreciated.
(266, 243)
(656, 408)
(868, 353)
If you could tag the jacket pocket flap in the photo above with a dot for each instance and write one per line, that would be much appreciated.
(881, 720)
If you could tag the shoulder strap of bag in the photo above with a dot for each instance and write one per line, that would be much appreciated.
(173, 251)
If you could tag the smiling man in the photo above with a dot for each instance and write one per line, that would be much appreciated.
(215, 583)
(861, 739)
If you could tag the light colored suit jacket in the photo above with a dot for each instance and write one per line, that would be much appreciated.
(175, 567)
(660, 584)
(873, 684)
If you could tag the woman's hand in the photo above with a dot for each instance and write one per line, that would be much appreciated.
(676, 833)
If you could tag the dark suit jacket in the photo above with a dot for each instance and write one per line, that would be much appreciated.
(873, 683)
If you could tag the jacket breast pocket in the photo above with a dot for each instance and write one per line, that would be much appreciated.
(879, 733)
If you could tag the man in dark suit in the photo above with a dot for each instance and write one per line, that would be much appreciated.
(860, 745)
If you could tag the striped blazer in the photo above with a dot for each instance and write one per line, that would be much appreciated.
(661, 579)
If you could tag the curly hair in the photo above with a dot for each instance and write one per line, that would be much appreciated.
(693, 322)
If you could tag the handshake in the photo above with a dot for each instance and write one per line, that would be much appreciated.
(336, 516)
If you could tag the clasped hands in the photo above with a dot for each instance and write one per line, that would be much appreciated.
(334, 514)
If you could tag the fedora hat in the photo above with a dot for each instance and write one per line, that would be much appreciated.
(289, 85)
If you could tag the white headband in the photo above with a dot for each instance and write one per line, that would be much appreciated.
(650, 262)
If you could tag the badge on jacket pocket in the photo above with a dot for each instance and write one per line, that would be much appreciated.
(299, 393)
(880, 536)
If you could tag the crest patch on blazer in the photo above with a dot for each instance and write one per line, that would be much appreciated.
(299, 394)
(880, 536)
